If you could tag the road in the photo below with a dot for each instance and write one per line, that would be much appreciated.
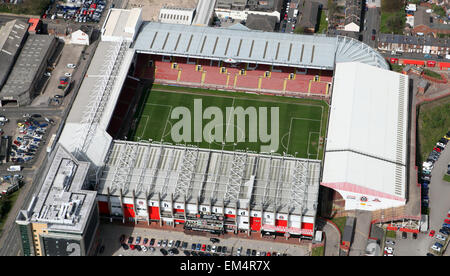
(371, 22)
(204, 12)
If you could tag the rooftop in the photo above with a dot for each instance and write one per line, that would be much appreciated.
(290, 184)
(62, 203)
(12, 35)
(32, 55)
(367, 130)
(235, 45)
(261, 22)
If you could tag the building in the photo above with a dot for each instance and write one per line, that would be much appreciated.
(121, 24)
(209, 190)
(20, 88)
(425, 24)
(79, 37)
(413, 44)
(309, 17)
(240, 9)
(366, 152)
(261, 22)
(352, 21)
(35, 25)
(12, 37)
(62, 219)
(176, 15)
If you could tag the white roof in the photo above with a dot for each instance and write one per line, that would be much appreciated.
(366, 142)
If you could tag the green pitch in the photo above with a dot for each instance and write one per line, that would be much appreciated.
(301, 125)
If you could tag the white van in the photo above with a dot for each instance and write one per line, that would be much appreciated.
(14, 169)
(3, 119)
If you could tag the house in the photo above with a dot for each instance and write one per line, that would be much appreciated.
(413, 44)
(352, 15)
(176, 15)
(79, 37)
(240, 9)
(261, 22)
(309, 17)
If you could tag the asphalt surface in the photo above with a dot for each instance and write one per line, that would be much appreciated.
(372, 22)
(110, 234)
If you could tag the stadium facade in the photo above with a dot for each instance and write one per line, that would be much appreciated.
(204, 190)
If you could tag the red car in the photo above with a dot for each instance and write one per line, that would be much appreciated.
(431, 233)
(203, 247)
(437, 149)
(447, 221)
(268, 254)
(132, 246)
(17, 143)
(373, 37)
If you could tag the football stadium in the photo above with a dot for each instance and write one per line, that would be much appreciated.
(225, 130)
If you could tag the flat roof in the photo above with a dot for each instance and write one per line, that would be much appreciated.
(61, 203)
(367, 133)
(291, 184)
(252, 46)
(32, 55)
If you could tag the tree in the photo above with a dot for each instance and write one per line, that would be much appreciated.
(299, 30)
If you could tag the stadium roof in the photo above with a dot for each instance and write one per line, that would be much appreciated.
(367, 135)
(96, 99)
(291, 184)
(61, 204)
(282, 49)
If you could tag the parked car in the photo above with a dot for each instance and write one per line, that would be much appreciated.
(440, 237)
(214, 240)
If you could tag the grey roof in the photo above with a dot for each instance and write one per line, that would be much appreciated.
(353, 11)
(61, 203)
(309, 14)
(414, 40)
(261, 22)
(291, 184)
(311, 51)
(12, 36)
(31, 57)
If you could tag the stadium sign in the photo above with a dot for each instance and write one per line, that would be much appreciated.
(223, 129)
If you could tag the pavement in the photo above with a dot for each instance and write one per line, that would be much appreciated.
(332, 237)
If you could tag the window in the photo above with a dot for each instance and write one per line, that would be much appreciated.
(203, 209)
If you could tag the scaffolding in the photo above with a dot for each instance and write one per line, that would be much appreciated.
(298, 198)
(187, 171)
(235, 179)
(126, 162)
